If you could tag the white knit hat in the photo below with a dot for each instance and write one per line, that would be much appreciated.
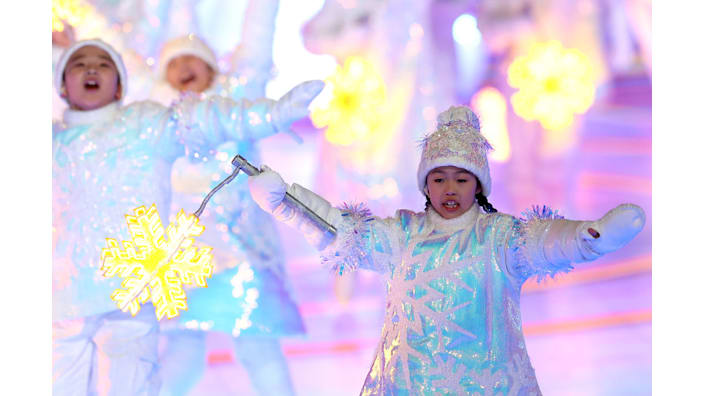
(458, 142)
(116, 58)
(186, 45)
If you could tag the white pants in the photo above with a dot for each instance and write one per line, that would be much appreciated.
(107, 354)
(183, 363)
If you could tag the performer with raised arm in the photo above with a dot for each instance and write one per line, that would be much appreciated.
(455, 270)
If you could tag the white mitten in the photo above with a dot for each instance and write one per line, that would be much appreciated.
(294, 104)
(268, 189)
(616, 228)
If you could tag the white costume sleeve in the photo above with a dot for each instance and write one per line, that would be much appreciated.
(545, 243)
(254, 53)
(364, 241)
(222, 119)
(361, 241)
(201, 124)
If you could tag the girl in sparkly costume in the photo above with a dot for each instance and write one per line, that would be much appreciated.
(248, 297)
(455, 271)
(109, 159)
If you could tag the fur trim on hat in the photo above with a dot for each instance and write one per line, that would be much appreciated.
(114, 55)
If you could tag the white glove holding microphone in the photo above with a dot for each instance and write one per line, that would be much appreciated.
(268, 190)
(615, 229)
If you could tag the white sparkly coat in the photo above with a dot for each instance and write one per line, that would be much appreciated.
(235, 227)
(244, 240)
(109, 161)
(249, 293)
(452, 322)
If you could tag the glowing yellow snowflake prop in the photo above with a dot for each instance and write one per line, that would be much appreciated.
(72, 11)
(353, 112)
(153, 268)
(553, 84)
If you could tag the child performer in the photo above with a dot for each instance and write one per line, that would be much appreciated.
(108, 160)
(248, 257)
(453, 323)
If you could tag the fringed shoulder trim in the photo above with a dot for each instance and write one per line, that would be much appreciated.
(350, 250)
(530, 231)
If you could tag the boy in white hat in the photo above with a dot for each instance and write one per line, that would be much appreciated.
(453, 323)
(109, 159)
(248, 297)
(188, 64)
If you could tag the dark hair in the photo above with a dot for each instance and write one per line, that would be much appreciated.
(481, 201)
(484, 203)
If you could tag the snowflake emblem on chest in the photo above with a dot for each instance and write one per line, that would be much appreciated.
(410, 295)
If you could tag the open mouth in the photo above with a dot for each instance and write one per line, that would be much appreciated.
(91, 85)
(188, 79)
(451, 205)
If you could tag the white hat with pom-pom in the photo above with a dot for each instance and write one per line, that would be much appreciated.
(457, 141)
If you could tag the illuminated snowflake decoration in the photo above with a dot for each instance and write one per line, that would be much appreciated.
(353, 111)
(72, 11)
(553, 83)
(156, 269)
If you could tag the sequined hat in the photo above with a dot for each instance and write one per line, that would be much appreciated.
(186, 45)
(114, 55)
(458, 142)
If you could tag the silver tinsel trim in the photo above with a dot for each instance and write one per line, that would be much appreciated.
(348, 251)
(529, 230)
(537, 212)
(458, 129)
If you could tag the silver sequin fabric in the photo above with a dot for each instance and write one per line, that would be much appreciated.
(452, 324)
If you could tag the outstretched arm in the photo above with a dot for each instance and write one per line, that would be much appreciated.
(204, 123)
(269, 190)
(546, 244)
(254, 53)
(360, 241)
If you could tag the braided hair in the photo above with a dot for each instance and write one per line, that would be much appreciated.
(484, 203)
(481, 201)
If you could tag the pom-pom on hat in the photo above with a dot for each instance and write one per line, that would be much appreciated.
(114, 55)
(186, 45)
(456, 142)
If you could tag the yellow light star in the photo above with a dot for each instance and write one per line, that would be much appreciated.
(490, 106)
(553, 83)
(154, 268)
(72, 11)
(353, 112)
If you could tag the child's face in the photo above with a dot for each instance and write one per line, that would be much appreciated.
(91, 80)
(189, 73)
(451, 190)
